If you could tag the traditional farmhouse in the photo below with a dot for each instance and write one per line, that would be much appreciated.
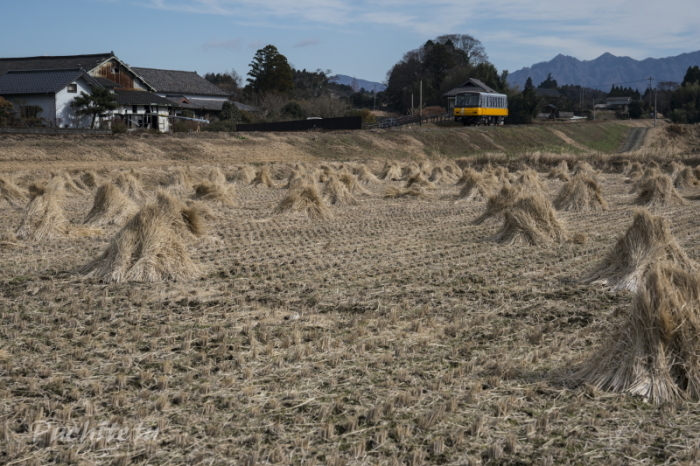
(139, 106)
(472, 85)
(618, 103)
(188, 89)
(47, 94)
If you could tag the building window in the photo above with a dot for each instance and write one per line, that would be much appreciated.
(30, 111)
(72, 88)
(115, 70)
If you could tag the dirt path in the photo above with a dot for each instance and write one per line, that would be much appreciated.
(635, 139)
(569, 141)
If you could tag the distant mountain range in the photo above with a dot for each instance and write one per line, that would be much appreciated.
(361, 83)
(607, 70)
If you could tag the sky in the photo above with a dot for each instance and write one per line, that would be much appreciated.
(361, 38)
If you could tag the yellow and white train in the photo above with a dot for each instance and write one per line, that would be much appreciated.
(481, 108)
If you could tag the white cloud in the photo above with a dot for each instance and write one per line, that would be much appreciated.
(585, 29)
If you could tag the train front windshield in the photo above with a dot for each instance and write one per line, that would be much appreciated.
(467, 100)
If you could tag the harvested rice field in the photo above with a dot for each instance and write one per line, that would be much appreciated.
(233, 314)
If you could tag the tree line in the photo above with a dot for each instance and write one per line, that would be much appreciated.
(439, 65)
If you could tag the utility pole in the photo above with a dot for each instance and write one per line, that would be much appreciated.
(594, 109)
(650, 78)
(656, 95)
(420, 102)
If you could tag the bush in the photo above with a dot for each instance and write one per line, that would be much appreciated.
(636, 109)
(7, 117)
(293, 111)
(229, 112)
(366, 115)
(435, 110)
(118, 127)
(228, 126)
(676, 130)
(184, 126)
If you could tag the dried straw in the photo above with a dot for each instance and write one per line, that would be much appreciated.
(11, 193)
(391, 172)
(685, 179)
(335, 192)
(44, 218)
(393, 192)
(304, 199)
(476, 186)
(531, 220)
(110, 206)
(654, 353)
(500, 202)
(151, 246)
(219, 193)
(647, 241)
(352, 183)
(263, 178)
(658, 191)
(365, 175)
(244, 175)
(529, 181)
(130, 185)
(420, 181)
(581, 194)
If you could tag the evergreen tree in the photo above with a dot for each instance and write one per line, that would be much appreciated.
(438, 60)
(99, 103)
(549, 83)
(528, 84)
(270, 72)
(692, 75)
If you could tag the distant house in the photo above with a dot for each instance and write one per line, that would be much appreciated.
(147, 110)
(104, 70)
(47, 94)
(471, 85)
(618, 103)
(190, 90)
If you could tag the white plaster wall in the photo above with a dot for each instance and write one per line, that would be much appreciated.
(65, 115)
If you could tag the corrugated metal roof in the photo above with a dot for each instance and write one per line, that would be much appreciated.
(178, 82)
(40, 81)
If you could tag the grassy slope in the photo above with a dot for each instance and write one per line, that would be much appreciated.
(412, 143)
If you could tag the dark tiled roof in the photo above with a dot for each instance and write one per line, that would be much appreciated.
(40, 81)
(207, 104)
(178, 82)
(86, 62)
(245, 108)
(472, 85)
(108, 83)
(142, 98)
